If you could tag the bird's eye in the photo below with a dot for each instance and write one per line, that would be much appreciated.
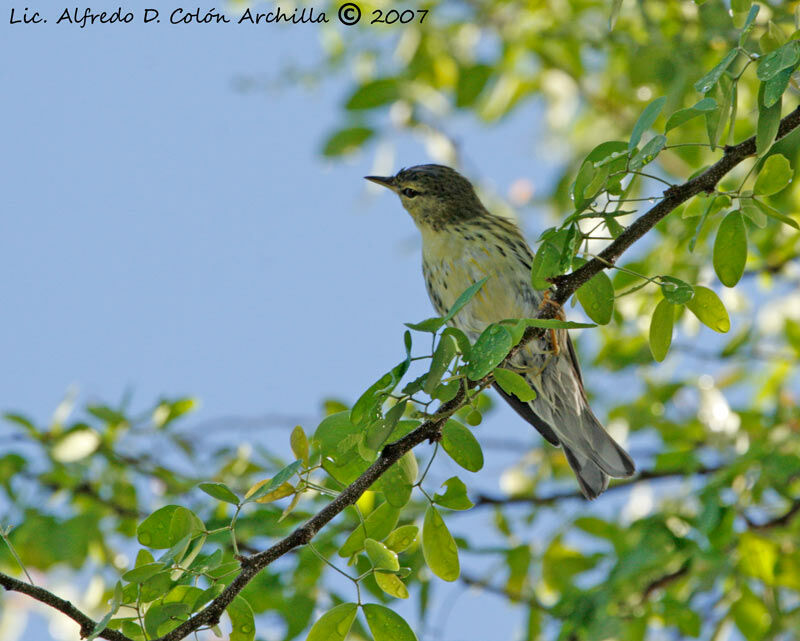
(409, 193)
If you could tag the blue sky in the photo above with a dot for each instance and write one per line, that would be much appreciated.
(166, 233)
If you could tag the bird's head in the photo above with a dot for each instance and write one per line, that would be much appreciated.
(434, 195)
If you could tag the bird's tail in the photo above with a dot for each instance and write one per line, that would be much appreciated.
(594, 456)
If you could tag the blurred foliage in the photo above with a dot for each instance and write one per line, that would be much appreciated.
(635, 96)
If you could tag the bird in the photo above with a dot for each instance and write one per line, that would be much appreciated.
(462, 243)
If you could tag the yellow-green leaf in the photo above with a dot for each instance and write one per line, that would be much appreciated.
(220, 491)
(708, 308)
(401, 538)
(438, 546)
(386, 624)
(455, 496)
(513, 383)
(382, 557)
(775, 174)
(299, 442)
(391, 584)
(661, 329)
(751, 616)
(377, 525)
(334, 624)
(242, 620)
(730, 249)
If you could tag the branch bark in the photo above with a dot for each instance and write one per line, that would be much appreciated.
(564, 287)
(676, 195)
(48, 598)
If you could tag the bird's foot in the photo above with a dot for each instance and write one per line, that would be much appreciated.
(546, 302)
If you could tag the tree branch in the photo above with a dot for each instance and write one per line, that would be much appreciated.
(564, 287)
(48, 598)
(778, 521)
(252, 565)
(706, 182)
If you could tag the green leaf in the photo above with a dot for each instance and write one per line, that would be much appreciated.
(299, 444)
(545, 264)
(554, 323)
(381, 557)
(586, 175)
(390, 583)
(488, 351)
(455, 496)
(726, 94)
(738, 9)
(730, 249)
(334, 624)
(167, 526)
(346, 141)
(442, 357)
(774, 213)
(471, 82)
(778, 60)
(162, 617)
(707, 82)
(386, 624)
(464, 346)
(401, 538)
(597, 298)
(708, 308)
(616, 5)
(374, 94)
(367, 408)
(439, 547)
(338, 438)
(706, 204)
(275, 482)
(775, 87)
(648, 152)
(560, 563)
(675, 290)
(242, 620)
(462, 446)
(758, 557)
(464, 298)
(141, 573)
(116, 601)
(513, 383)
(750, 208)
(772, 39)
(748, 24)
(646, 121)
(661, 329)
(775, 174)
(684, 115)
(377, 525)
(431, 325)
(220, 491)
(769, 119)
(751, 616)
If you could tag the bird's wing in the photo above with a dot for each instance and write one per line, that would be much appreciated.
(525, 411)
(573, 357)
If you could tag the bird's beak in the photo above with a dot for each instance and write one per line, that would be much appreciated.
(385, 181)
